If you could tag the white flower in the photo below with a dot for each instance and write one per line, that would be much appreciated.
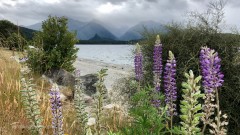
(91, 121)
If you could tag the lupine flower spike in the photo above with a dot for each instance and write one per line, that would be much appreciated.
(212, 81)
(56, 106)
(157, 70)
(31, 106)
(138, 63)
(79, 103)
(190, 105)
(170, 86)
(157, 63)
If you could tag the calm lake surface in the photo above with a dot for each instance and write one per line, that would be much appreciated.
(115, 54)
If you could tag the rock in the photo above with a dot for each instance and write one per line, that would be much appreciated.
(66, 81)
(61, 77)
(88, 82)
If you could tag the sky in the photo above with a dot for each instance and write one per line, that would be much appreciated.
(118, 13)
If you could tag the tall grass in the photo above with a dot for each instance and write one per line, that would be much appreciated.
(13, 120)
(12, 117)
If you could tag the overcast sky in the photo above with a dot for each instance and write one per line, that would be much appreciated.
(116, 12)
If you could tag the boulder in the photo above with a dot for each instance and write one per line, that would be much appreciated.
(66, 79)
(88, 82)
(61, 77)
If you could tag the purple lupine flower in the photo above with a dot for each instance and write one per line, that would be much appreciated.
(77, 73)
(23, 59)
(157, 63)
(56, 110)
(156, 103)
(138, 64)
(170, 84)
(210, 67)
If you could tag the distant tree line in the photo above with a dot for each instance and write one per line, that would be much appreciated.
(13, 36)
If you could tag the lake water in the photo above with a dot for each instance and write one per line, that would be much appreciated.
(115, 54)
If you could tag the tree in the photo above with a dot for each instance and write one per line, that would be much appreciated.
(55, 46)
(16, 41)
(7, 28)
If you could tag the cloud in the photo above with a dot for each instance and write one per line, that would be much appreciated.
(115, 12)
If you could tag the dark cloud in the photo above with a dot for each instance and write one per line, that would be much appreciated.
(129, 13)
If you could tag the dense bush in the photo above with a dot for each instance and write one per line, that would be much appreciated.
(185, 43)
(16, 41)
(13, 36)
(55, 46)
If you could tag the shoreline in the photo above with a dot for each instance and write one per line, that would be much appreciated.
(115, 71)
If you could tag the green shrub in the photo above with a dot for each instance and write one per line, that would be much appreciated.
(185, 43)
(203, 29)
(16, 41)
(147, 120)
(55, 46)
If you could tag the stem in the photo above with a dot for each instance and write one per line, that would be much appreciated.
(171, 123)
(207, 112)
(218, 110)
(204, 128)
(139, 86)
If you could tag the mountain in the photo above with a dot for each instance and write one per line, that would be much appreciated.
(26, 32)
(7, 28)
(36, 26)
(85, 30)
(115, 30)
(98, 38)
(92, 28)
(134, 33)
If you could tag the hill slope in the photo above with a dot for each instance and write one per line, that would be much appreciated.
(134, 33)
(85, 30)
(7, 28)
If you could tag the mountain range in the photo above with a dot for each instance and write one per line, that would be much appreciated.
(88, 30)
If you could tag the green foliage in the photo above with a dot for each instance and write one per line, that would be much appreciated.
(186, 42)
(190, 105)
(16, 41)
(111, 133)
(36, 60)
(101, 91)
(80, 106)
(147, 119)
(56, 44)
(31, 105)
(7, 28)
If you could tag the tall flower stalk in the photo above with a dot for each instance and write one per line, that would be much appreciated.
(79, 103)
(157, 63)
(31, 106)
(138, 62)
(56, 105)
(29, 99)
(190, 105)
(101, 91)
(212, 81)
(138, 59)
(170, 86)
(157, 70)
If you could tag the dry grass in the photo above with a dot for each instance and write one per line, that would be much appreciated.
(12, 116)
